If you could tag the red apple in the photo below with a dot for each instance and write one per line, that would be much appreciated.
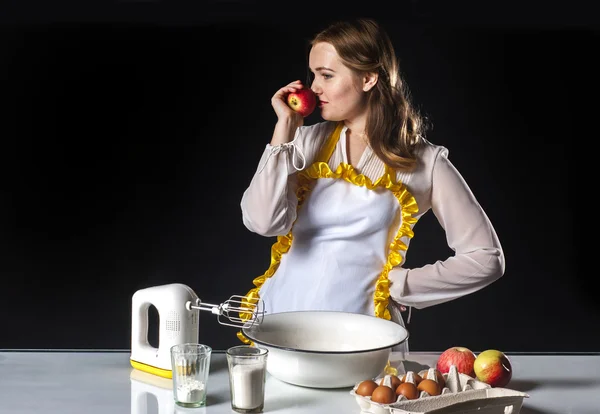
(493, 367)
(463, 358)
(302, 101)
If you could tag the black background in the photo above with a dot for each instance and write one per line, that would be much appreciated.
(131, 129)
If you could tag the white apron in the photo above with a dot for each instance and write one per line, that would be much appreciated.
(338, 246)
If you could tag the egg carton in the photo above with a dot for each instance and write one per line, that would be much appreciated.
(461, 394)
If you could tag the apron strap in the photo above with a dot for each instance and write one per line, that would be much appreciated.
(329, 147)
(389, 171)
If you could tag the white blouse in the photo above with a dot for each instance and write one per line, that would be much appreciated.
(269, 208)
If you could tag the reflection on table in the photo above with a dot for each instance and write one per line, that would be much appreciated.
(152, 394)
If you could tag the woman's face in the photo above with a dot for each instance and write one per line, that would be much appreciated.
(340, 91)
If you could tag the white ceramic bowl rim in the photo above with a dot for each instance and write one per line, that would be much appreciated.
(248, 333)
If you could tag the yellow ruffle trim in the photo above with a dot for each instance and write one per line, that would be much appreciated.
(279, 248)
(347, 172)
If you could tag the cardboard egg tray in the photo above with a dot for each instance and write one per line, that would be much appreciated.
(461, 394)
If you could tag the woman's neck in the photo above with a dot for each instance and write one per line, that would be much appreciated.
(356, 129)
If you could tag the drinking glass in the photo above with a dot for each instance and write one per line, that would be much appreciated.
(190, 364)
(247, 376)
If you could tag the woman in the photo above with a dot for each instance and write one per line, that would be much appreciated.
(343, 195)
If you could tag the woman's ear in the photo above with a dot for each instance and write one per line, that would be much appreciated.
(369, 80)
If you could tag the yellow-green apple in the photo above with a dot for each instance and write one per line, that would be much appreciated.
(302, 101)
(463, 358)
(493, 367)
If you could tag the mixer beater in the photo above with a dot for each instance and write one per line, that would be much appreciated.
(238, 310)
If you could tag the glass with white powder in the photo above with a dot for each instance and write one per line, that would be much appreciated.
(190, 366)
(247, 375)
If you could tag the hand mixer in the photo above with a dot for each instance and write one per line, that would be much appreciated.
(178, 308)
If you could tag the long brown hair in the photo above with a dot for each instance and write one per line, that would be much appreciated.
(393, 126)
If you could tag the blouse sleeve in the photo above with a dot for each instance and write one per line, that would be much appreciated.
(269, 203)
(478, 260)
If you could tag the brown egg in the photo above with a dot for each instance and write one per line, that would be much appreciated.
(383, 395)
(440, 378)
(366, 388)
(395, 381)
(416, 376)
(429, 386)
(409, 390)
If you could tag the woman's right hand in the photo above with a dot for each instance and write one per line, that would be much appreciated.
(282, 110)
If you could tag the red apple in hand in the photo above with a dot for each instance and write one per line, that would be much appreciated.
(302, 101)
(493, 368)
(460, 356)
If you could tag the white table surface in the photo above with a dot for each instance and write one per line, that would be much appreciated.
(104, 382)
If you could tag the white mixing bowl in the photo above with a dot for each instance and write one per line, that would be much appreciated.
(326, 349)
